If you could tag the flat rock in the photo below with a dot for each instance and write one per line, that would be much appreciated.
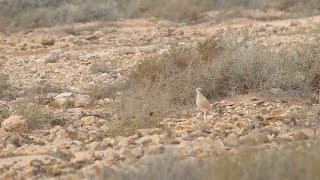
(15, 123)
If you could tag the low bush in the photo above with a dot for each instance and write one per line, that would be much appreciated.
(232, 64)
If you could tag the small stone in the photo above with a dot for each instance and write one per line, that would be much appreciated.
(48, 42)
(63, 95)
(165, 23)
(240, 113)
(98, 34)
(36, 163)
(89, 120)
(15, 140)
(84, 157)
(52, 57)
(126, 153)
(197, 133)
(62, 143)
(109, 141)
(138, 152)
(15, 123)
(172, 141)
(259, 103)
(63, 100)
(98, 146)
(156, 149)
(259, 118)
(144, 140)
(123, 141)
(69, 99)
(63, 154)
(270, 118)
(81, 100)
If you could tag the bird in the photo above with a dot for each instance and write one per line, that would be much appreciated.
(202, 102)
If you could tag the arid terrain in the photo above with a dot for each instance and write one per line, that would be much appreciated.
(67, 91)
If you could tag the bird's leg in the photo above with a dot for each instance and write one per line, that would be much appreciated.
(204, 115)
(206, 119)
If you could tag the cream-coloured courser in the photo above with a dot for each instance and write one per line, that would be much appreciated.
(202, 102)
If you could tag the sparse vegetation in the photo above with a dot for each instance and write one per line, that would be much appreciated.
(101, 90)
(47, 13)
(188, 10)
(36, 117)
(229, 65)
(4, 113)
(6, 91)
(100, 66)
(34, 13)
(31, 106)
(3, 84)
(116, 100)
(124, 127)
(39, 93)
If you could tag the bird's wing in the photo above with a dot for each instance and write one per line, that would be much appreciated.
(204, 103)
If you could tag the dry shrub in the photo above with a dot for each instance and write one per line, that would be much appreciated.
(237, 63)
(125, 127)
(100, 66)
(4, 85)
(210, 48)
(39, 93)
(35, 13)
(189, 10)
(4, 112)
(36, 116)
(32, 105)
(102, 90)
(176, 61)
(7, 92)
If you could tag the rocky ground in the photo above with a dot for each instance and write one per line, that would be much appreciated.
(58, 67)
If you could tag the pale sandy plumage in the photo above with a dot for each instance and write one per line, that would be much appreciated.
(202, 102)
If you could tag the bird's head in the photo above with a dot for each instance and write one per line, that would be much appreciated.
(199, 90)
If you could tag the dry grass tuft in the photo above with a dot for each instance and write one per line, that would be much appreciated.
(127, 127)
(4, 85)
(100, 66)
(31, 106)
(37, 118)
(102, 90)
(39, 94)
(7, 92)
